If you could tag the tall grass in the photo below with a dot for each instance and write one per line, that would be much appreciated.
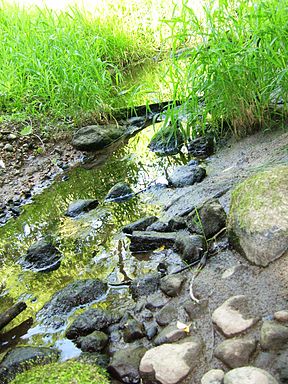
(231, 72)
(70, 64)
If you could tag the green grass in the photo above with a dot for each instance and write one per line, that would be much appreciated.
(69, 372)
(234, 59)
(70, 65)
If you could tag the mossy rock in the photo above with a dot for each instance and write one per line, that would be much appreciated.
(69, 372)
(258, 218)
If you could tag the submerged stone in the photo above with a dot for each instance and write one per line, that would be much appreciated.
(120, 192)
(42, 256)
(166, 142)
(96, 137)
(80, 206)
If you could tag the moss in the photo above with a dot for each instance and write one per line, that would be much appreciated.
(69, 372)
(259, 194)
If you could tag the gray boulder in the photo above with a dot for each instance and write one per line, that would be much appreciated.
(186, 175)
(96, 137)
(258, 218)
(201, 147)
(94, 319)
(171, 285)
(133, 330)
(72, 296)
(166, 142)
(249, 375)
(42, 256)
(21, 359)
(124, 365)
(190, 247)
(81, 206)
(170, 334)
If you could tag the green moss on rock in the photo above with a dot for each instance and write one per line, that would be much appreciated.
(258, 218)
(69, 372)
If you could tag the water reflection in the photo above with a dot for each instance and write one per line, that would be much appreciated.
(91, 245)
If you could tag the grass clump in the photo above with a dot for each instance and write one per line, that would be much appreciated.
(69, 372)
(232, 69)
(69, 65)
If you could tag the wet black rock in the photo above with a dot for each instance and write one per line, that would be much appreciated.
(94, 319)
(21, 359)
(150, 240)
(139, 225)
(144, 285)
(201, 147)
(165, 142)
(81, 206)
(174, 224)
(94, 342)
(119, 192)
(96, 137)
(133, 330)
(124, 365)
(186, 175)
(42, 256)
(190, 247)
(72, 296)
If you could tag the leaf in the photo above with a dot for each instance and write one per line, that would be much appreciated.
(183, 327)
(26, 131)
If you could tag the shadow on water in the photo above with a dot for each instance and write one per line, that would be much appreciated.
(92, 245)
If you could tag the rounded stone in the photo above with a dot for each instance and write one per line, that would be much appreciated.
(249, 375)
(214, 376)
(281, 316)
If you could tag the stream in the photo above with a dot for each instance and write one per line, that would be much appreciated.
(92, 245)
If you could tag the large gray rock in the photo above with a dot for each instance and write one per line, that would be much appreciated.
(94, 319)
(249, 375)
(42, 256)
(273, 335)
(171, 363)
(21, 359)
(81, 206)
(233, 317)
(95, 137)
(237, 352)
(258, 218)
(124, 365)
(186, 175)
(72, 296)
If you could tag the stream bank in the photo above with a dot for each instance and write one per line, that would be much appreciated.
(100, 250)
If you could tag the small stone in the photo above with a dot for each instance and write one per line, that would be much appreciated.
(80, 206)
(151, 330)
(214, 376)
(201, 147)
(124, 365)
(185, 175)
(273, 335)
(8, 147)
(170, 363)
(94, 342)
(190, 246)
(235, 353)
(139, 225)
(144, 285)
(249, 375)
(11, 137)
(171, 285)
(120, 192)
(230, 316)
(42, 256)
(281, 316)
(156, 301)
(166, 315)
(170, 334)
(133, 330)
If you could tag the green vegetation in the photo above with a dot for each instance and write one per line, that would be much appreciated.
(69, 65)
(70, 372)
(232, 69)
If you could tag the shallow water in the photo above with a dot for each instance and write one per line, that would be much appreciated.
(92, 245)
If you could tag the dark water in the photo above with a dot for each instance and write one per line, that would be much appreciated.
(92, 245)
